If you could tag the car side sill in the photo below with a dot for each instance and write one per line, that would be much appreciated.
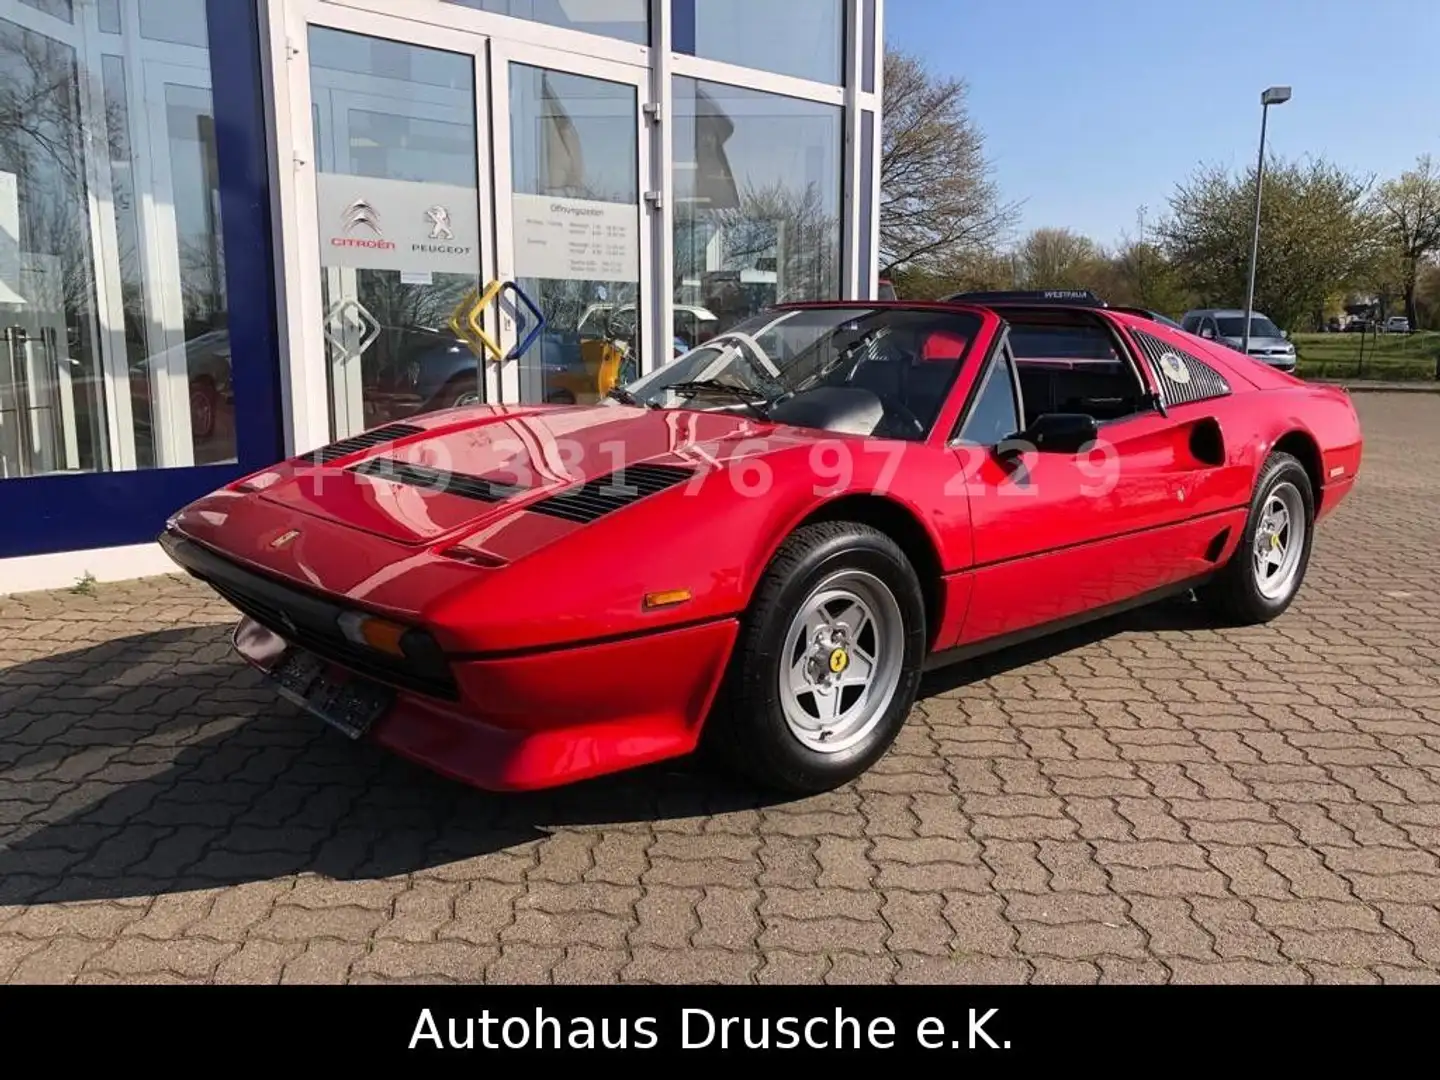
(947, 657)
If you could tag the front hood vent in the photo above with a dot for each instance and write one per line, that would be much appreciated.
(366, 440)
(606, 494)
(435, 480)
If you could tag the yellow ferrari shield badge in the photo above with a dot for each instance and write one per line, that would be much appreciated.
(839, 661)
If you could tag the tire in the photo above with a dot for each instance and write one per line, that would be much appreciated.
(462, 393)
(1242, 594)
(773, 736)
(204, 402)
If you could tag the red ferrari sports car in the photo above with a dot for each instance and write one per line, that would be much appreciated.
(762, 545)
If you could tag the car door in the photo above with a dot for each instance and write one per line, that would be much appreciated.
(1062, 530)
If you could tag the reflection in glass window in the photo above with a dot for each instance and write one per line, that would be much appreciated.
(576, 213)
(628, 20)
(136, 374)
(803, 38)
(400, 239)
(179, 21)
(61, 9)
(757, 200)
(994, 417)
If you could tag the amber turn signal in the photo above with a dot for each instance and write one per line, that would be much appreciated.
(666, 599)
(373, 632)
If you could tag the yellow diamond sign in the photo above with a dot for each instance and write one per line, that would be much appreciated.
(465, 321)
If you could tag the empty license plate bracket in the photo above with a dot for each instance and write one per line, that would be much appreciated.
(346, 702)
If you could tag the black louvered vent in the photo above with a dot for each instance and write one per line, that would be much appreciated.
(436, 480)
(1183, 378)
(366, 440)
(606, 494)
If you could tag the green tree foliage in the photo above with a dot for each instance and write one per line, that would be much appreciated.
(1057, 259)
(1427, 297)
(1317, 233)
(1139, 275)
(1408, 210)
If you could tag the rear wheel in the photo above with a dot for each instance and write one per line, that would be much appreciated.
(1264, 575)
(828, 661)
(204, 403)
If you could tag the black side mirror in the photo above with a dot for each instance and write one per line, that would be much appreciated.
(1061, 433)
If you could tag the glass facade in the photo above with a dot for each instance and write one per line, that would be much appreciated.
(160, 333)
(112, 272)
(628, 20)
(757, 200)
(802, 38)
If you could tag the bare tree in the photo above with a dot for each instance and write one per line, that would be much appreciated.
(1409, 207)
(938, 200)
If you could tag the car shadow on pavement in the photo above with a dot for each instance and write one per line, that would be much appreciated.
(160, 763)
(1180, 613)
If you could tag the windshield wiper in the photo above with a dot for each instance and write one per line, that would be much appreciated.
(752, 399)
(625, 397)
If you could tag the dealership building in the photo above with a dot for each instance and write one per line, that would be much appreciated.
(236, 230)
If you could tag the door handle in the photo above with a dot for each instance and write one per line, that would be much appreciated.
(465, 320)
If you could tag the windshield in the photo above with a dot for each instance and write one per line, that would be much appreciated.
(904, 360)
(1260, 327)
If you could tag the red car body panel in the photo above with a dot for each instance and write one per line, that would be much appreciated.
(561, 672)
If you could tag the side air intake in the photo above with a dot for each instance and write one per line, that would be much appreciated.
(366, 440)
(436, 480)
(606, 494)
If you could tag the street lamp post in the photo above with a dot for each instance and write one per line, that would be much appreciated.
(1275, 95)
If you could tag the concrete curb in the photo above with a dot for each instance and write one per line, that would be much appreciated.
(1361, 386)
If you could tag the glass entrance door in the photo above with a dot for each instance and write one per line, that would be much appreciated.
(433, 164)
(573, 222)
(398, 206)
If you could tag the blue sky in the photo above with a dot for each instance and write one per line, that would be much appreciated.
(1094, 108)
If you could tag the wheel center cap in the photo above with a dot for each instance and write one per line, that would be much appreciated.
(839, 661)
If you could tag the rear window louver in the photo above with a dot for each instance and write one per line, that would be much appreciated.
(1183, 377)
(436, 480)
(606, 494)
(366, 440)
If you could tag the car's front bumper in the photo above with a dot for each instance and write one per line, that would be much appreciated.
(549, 717)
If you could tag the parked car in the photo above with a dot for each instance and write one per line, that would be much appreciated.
(458, 587)
(1268, 343)
(206, 361)
(1397, 324)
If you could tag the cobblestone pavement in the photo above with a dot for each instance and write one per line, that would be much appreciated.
(1146, 800)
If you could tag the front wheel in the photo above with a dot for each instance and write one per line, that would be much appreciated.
(828, 662)
(1264, 575)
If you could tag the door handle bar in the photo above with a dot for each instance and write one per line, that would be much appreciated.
(534, 333)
